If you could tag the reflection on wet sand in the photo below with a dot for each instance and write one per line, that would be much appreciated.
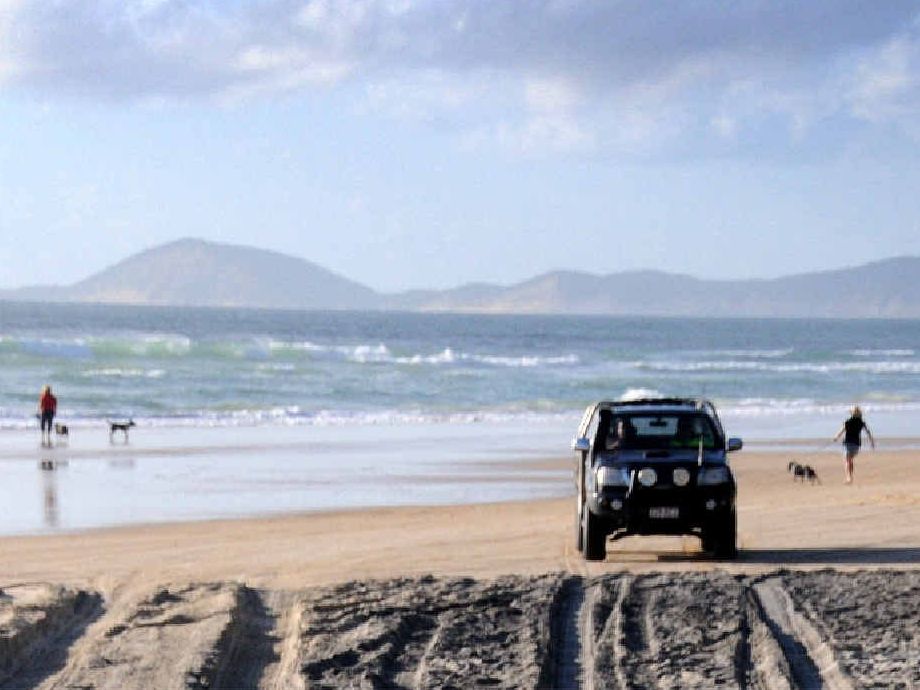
(175, 474)
(122, 463)
(49, 492)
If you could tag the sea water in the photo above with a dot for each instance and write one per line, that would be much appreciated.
(233, 367)
(248, 412)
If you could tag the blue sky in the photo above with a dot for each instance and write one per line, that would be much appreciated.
(428, 144)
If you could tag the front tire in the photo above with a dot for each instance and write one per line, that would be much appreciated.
(722, 539)
(594, 538)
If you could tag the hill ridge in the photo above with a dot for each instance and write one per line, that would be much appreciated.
(197, 272)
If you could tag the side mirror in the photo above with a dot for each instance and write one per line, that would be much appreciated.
(581, 445)
(734, 444)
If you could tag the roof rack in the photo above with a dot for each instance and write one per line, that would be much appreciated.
(695, 402)
(701, 404)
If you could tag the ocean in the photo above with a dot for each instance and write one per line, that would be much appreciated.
(243, 413)
(235, 367)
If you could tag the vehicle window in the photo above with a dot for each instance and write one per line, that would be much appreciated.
(655, 426)
(661, 431)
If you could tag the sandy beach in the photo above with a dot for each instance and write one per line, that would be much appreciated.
(267, 602)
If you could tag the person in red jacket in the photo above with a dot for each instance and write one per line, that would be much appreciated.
(47, 408)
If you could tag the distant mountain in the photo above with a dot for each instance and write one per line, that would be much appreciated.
(889, 288)
(198, 273)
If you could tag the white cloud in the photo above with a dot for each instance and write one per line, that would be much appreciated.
(725, 125)
(551, 95)
(425, 94)
(542, 134)
(314, 14)
(283, 70)
(886, 83)
(9, 61)
(550, 123)
(562, 75)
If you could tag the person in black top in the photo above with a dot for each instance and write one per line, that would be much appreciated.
(851, 431)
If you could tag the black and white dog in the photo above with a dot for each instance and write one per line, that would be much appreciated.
(803, 472)
(120, 426)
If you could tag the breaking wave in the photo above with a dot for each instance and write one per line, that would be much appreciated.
(382, 354)
(175, 346)
(870, 367)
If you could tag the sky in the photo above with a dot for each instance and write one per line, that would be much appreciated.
(409, 144)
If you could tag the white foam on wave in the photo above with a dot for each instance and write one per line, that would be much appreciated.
(300, 346)
(445, 356)
(116, 372)
(63, 348)
(882, 353)
(776, 353)
(275, 366)
(136, 344)
(380, 353)
(294, 416)
(367, 353)
(525, 360)
(805, 407)
(871, 367)
(139, 344)
(161, 343)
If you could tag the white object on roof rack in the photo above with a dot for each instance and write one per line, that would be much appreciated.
(640, 394)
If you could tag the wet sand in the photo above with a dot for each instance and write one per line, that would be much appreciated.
(826, 590)
(164, 475)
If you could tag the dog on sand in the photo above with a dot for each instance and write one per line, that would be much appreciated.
(120, 426)
(803, 473)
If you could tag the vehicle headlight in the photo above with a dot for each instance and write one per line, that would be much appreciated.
(647, 476)
(680, 477)
(708, 476)
(612, 476)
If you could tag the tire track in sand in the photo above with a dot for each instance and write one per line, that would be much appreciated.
(610, 632)
(603, 655)
(568, 642)
(760, 662)
(637, 651)
(870, 618)
(681, 630)
(430, 633)
(811, 660)
(191, 636)
(39, 622)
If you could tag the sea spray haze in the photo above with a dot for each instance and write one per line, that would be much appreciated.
(212, 367)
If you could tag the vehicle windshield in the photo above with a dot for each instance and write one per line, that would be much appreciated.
(656, 431)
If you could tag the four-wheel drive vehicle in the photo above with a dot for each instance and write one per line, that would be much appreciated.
(654, 466)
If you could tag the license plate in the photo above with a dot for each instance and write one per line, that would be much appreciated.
(664, 512)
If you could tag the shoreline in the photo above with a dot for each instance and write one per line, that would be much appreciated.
(873, 523)
(173, 476)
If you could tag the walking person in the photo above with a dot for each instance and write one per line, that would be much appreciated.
(47, 408)
(851, 431)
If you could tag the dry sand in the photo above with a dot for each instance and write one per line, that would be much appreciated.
(826, 592)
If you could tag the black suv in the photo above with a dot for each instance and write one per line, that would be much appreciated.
(654, 466)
